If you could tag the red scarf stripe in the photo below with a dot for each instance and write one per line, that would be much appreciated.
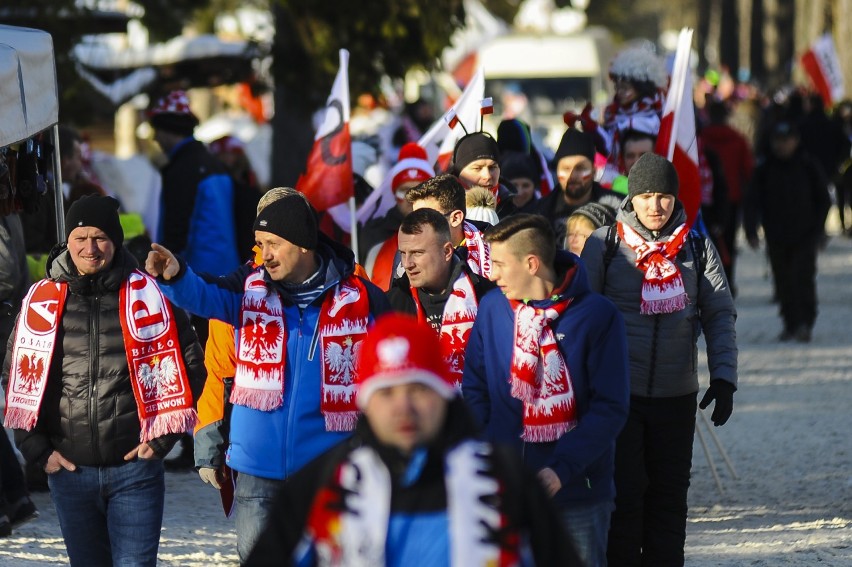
(662, 287)
(262, 349)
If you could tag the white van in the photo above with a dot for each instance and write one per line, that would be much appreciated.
(555, 72)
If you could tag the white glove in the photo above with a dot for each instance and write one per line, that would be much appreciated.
(208, 475)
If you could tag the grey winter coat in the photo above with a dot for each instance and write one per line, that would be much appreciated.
(663, 348)
(89, 412)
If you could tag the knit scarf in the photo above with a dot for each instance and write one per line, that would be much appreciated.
(478, 251)
(157, 373)
(662, 288)
(643, 115)
(262, 349)
(348, 521)
(539, 376)
(456, 323)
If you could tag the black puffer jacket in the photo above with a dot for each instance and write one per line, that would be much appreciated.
(89, 412)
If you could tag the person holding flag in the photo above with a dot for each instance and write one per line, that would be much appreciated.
(668, 283)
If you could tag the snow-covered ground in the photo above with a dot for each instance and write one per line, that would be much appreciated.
(789, 441)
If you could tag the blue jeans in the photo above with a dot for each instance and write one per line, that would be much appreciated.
(111, 515)
(253, 499)
(588, 526)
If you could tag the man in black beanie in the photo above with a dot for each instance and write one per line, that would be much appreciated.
(102, 377)
(476, 163)
(299, 318)
(667, 282)
(575, 174)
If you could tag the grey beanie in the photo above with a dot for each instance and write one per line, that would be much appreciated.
(652, 173)
(600, 215)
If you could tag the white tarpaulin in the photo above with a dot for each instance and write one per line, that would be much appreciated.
(29, 100)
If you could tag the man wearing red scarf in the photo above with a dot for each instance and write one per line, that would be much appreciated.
(546, 374)
(669, 288)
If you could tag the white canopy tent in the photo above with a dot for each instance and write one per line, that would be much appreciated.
(29, 99)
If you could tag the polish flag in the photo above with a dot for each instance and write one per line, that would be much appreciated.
(677, 140)
(440, 139)
(452, 118)
(327, 181)
(487, 106)
(822, 65)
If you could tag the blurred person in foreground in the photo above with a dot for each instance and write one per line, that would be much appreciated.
(413, 486)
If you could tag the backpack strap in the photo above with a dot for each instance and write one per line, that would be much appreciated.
(612, 240)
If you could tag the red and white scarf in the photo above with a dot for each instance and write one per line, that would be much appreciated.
(154, 359)
(478, 251)
(348, 521)
(539, 376)
(262, 349)
(662, 289)
(456, 323)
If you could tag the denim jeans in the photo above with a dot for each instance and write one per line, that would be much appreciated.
(588, 525)
(253, 499)
(111, 515)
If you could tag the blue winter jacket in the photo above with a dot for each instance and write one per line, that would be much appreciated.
(593, 342)
(197, 217)
(275, 444)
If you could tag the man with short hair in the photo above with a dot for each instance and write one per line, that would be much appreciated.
(575, 174)
(100, 379)
(413, 486)
(300, 319)
(446, 195)
(635, 144)
(546, 373)
(437, 287)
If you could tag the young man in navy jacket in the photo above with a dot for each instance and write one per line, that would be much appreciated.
(546, 372)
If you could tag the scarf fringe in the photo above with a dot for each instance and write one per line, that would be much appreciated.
(263, 400)
(662, 306)
(341, 421)
(181, 421)
(546, 433)
(523, 391)
(19, 418)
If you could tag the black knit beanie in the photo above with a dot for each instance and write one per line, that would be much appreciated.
(97, 211)
(474, 146)
(514, 165)
(291, 218)
(652, 173)
(174, 122)
(513, 135)
(599, 214)
(575, 143)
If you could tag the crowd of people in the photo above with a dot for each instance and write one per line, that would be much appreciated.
(510, 377)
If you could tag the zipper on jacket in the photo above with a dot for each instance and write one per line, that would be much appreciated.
(652, 364)
(294, 389)
(94, 329)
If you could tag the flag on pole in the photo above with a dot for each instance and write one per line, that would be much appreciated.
(439, 140)
(822, 65)
(452, 118)
(327, 181)
(677, 138)
(486, 106)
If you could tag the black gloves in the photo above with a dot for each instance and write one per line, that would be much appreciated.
(723, 392)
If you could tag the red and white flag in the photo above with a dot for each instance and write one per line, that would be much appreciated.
(440, 140)
(452, 118)
(677, 140)
(327, 181)
(486, 106)
(822, 65)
